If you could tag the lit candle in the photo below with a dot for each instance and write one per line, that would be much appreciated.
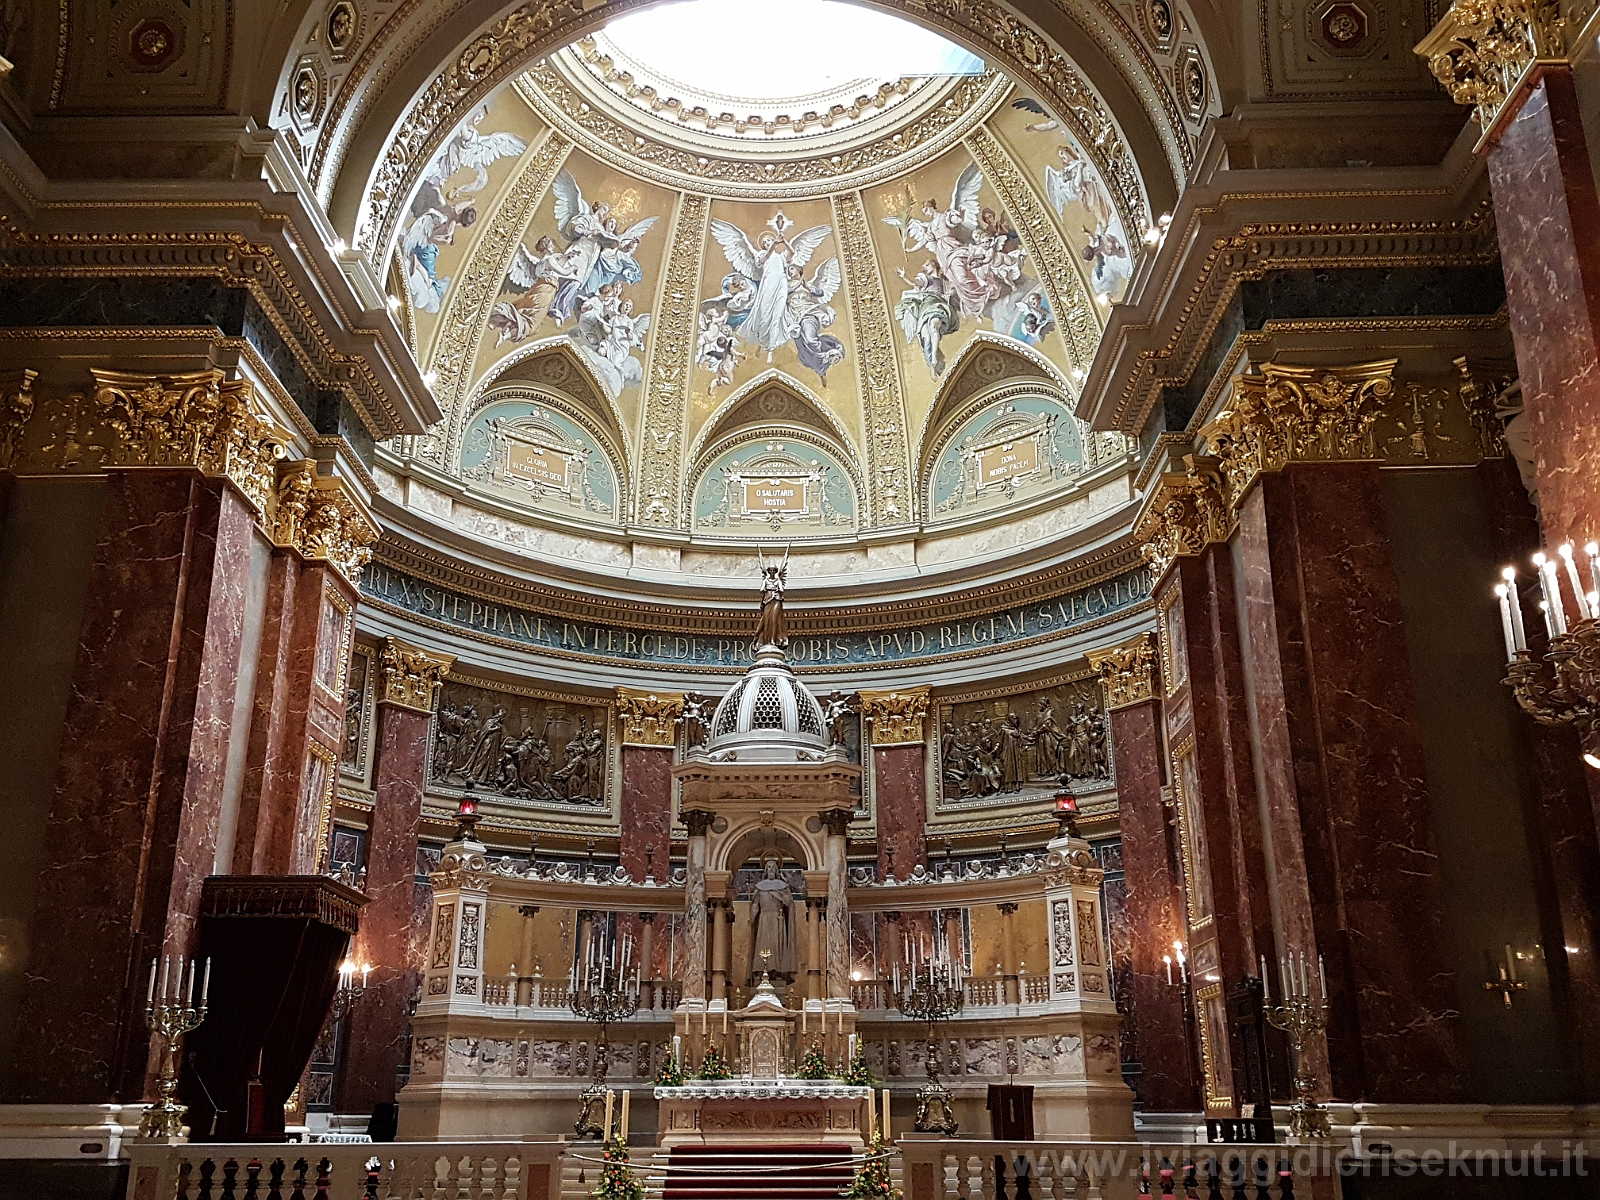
(1579, 600)
(1266, 988)
(205, 986)
(150, 996)
(366, 969)
(1503, 593)
(1518, 634)
(1552, 594)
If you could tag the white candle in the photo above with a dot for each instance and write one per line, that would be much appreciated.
(625, 1095)
(1266, 988)
(1579, 600)
(1322, 977)
(150, 996)
(852, 1047)
(1167, 958)
(1519, 635)
(886, 1114)
(166, 974)
(205, 986)
(677, 1047)
(190, 1000)
(610, 1096)
(1593, 551)
(1551, 587)
(1283, 977)
(1501, 591)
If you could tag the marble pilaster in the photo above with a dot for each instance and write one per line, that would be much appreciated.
(697, 821)
(378, 1041)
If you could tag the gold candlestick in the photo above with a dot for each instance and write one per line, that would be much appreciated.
(169, 1019)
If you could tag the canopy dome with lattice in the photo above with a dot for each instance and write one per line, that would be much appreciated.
(769, 716)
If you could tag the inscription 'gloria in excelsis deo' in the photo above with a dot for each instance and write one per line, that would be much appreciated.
(584, 638)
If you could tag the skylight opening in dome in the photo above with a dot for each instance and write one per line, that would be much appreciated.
(782, 49)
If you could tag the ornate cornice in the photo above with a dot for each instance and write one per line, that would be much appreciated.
(409, 677)
(898, 718)
(1127, 672)
(1484, 51)
(649, 718)
(235, 261)
(1186, 512)
(1286, 414)
(322, 518)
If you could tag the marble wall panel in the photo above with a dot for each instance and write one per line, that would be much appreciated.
(899, 789)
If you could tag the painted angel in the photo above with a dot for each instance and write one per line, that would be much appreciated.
(1112, 262)
(766, 266)
(926, 314)
(811, 312)
(603, 255)
(975, 264)
(470, 149)
(1029, 104)
(535, 277)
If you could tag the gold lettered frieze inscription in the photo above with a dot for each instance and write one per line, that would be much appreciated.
(1000, 462)
(776, 495)
(540, 464)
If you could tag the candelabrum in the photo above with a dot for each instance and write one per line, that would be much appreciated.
(934, 990)
(1301, 1016)
(1564, 688)
(349, 992)
(169, 1016)
(604, 992)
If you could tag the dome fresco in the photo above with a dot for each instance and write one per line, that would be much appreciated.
(851, 251)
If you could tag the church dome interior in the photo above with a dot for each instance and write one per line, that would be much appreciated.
(691, 598)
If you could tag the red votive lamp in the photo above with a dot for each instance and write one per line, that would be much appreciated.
(1067, 814)
(466, 818)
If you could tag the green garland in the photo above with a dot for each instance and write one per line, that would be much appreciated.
(617, 1180)
(714, 1066)
(670, 1075)
(872, 1181)
(814, 1065)
(858, 1075)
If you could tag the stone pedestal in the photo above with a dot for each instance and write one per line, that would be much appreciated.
(1098, 1104)
(742, 1111)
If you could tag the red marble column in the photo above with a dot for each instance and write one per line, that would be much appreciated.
(378, 1038)
(901, 793)
(297, 720)
(1214, 788)
(646, 809)
(1548, 215)
(133, 824)
(1344, 783)
(1168, 1081)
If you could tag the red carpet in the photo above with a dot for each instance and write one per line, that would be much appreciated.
(757, 1172)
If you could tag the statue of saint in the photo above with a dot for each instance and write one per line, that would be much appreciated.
(772, 630)
(772, 918)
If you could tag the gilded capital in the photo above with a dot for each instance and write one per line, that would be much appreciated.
(1482, 50)
(897, 718)
(1286, 414)
(1127, 672)
(321, 517)
(192, 419)
(649, 718)
(410, 678)
(1186, 512)
(836, 821)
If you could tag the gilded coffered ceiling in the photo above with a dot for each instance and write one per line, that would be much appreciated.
(650, 305)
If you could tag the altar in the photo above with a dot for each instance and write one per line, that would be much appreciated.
(778, 1110)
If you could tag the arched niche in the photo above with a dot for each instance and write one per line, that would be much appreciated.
(530, 447)
(771, 398)
(1001, 432)
(749, 837)
(775, 481)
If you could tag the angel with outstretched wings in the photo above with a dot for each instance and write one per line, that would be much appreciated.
(602, 254)
(947, 228)
(471, 149)
(767, 265)
(811, 312)
(1076, 183)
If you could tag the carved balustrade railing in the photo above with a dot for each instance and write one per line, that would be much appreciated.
(520, 1170)
(948, 1169)
(986, 995)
